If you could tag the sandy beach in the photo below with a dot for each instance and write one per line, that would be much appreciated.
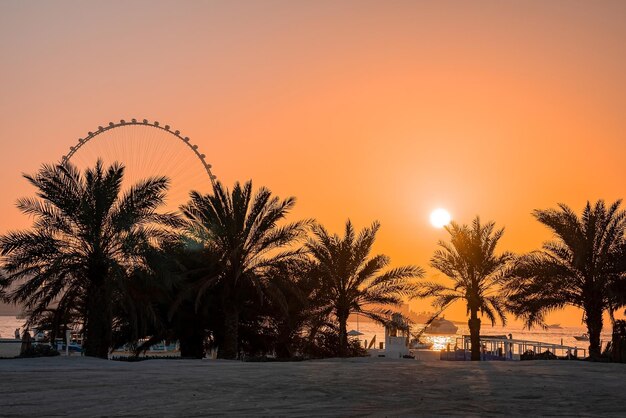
(79, 386)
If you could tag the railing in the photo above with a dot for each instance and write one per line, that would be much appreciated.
(502, 348)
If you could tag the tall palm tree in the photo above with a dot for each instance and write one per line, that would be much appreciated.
(3, 285)
(241, 230)
(352, 282)
(470, 260)
(618, 286)
(296, 313)
(86, 239)
(580, 267)
(191, 314)
(139, 310)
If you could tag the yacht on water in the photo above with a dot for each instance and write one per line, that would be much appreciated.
(416, 343)
(441, 326)
(584, 337)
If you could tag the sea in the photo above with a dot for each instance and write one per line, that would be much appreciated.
(564, 335)
(8, 324)
(369, 330)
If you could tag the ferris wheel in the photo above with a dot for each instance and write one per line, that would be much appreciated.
(147, 149)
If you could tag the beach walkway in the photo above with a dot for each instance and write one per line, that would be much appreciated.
(78, 386)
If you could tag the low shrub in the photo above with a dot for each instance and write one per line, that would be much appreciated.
(40, 350)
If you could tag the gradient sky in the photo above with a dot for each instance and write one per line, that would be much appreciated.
(362, 109)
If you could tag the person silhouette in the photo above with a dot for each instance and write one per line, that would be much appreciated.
(26, 342)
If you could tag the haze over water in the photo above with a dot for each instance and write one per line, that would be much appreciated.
(9, 323)
(552, 336)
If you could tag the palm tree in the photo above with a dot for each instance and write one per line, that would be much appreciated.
(3, 285)
(295, 312)
(240, 230)
(85, 241)
(351, 282)
(580, 267)
(140, 309)
(470, 260)
(191, 314)
(618, 286)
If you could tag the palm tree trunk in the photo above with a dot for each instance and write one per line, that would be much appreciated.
(474, 327)
(191, 347)
(342, 316)
(593, 319)
(618, 342)
(229, 349)
(192, 343)
(99, 323)
(284, 342)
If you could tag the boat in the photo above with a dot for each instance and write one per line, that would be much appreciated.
(73, 347)
(584, 337)
(419, 344)
(441, 326)
(554, 326)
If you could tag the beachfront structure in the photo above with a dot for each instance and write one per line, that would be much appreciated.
(502, 348)
(10, 347)
(397, 337)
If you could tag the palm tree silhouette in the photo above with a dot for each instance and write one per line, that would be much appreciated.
(241, 230)
(581, 267)
(86, 240)
(351, 282)
(476, 271)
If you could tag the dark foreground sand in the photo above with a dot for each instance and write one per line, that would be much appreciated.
(371, 386)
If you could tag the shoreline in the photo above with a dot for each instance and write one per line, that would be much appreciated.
(80, 386)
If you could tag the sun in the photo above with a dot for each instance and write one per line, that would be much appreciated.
(440, 218)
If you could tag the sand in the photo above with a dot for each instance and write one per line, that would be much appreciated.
(78, 386)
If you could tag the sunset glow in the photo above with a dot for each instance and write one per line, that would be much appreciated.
(440, 218)
(349, 108)
(313, 208)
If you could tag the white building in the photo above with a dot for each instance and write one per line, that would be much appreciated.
(397, 338)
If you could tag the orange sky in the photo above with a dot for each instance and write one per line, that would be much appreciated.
(369, 110)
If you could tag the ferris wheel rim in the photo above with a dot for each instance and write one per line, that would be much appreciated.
(145, 122)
